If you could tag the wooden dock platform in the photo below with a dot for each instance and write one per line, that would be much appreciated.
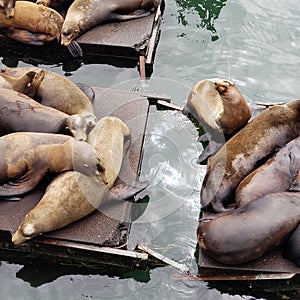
(92, 238)
(121, 44)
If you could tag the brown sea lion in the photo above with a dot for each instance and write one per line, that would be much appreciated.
(72, 195)
(82, 15)
(42, 21)
(250, 231)
(26, 84)
(7, 7)
(279, 174)
(27, 157)
(240, 155)
(220, 108)
(18, 112)
(59, 92)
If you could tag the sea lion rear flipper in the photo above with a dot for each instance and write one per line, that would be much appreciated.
(138, 13)
(124, 191)
(75, 49)
(21, 185)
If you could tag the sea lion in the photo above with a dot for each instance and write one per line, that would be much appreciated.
(40, 20)
(291, 248)
(19, 112)
(58, 92)
(220, 108)
(72, 195)
(82, 15)
(26, 84)
(7, 7)
(27, 157)
(250, 231)
(279, 174)
(270, 130)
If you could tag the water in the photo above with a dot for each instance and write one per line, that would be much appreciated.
(253, 43)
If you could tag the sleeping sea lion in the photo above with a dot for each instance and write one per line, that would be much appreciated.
(240, 155)
(44, 22)
(279, 174)
(26, 84)
(250, 231)
(220, 108)
(82, 15)
(59, 92)
(27, 157)
(72, 195)
(18, 112)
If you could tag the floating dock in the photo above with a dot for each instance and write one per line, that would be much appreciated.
(100, 237)
(122, 44)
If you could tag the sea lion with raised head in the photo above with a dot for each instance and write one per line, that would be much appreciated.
(252, 230)
(71, 195)
(220, 108)
(82, 15)
(59, 92)
(239, 156)
(26, 84)
(43, 22)
(19, 112)
(279, 174)
(27, 157)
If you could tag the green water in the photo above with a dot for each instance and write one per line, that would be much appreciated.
(253, 43)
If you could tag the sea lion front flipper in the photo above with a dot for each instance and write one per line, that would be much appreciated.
(211, 149)
(23, 36)
(87, 90)
(124, 191)
(75, 49)
(136, 14)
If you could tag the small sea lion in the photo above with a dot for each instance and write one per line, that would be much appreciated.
(19, 112)
(220, 108)
(40, 20)
(7, 7)
(291, 248)
(26, 84)
(240, 155)
(72, 195)
(59, 92)
(82, 15)
(252, 230)
(27, 157)
(279, 174)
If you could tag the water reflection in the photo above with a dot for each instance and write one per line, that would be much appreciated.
(208, 11)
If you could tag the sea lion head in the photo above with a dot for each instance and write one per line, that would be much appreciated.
(78, 127)
(7, 7)
(69, 32)
(24, 232)
(88, 161)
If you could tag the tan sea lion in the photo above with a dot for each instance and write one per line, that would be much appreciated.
(240, 155)
(26, 84)
(27, 157)
(40, 20)
(18, 112)
(279, 174)
(72, 195)
(82, 15)
(250, 231)
(59, 92)
(220, 108)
